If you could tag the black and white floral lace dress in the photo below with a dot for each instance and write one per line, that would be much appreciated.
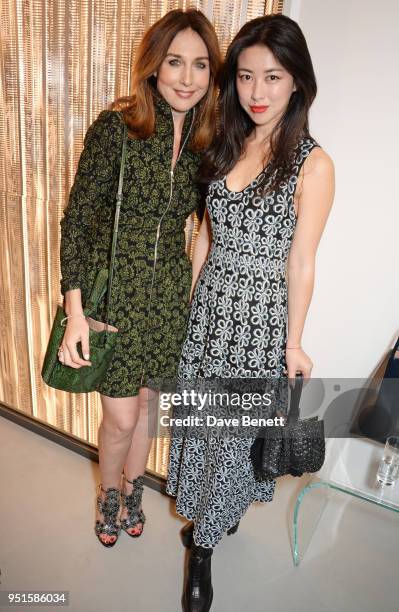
(237, 329)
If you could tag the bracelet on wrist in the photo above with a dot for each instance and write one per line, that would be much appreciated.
(70, 317)
(292, 347)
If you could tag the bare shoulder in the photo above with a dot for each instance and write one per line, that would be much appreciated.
(318, 163)
(318, 168)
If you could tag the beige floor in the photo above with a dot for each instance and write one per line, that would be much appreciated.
(48, 543)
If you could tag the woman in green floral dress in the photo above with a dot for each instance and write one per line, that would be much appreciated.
(171, 119)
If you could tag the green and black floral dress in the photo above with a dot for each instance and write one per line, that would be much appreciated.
(149, 302)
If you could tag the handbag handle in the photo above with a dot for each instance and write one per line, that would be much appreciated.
(116, 225)
(293, 415)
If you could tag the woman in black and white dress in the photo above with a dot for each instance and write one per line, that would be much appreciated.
(270, 191)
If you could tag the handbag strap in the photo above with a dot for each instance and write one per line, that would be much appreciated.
(116, 224)
(293, 414)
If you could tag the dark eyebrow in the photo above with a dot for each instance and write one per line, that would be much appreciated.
(268, 70)
(180, 56)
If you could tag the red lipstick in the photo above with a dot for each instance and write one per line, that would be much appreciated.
(258, 109)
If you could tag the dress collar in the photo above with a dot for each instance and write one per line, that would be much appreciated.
(164, 119)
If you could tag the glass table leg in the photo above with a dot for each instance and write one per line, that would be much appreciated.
(316, 503)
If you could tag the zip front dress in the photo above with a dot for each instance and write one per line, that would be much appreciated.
(236, 330)
(152, 272)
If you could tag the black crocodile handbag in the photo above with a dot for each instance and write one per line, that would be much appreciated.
(295, 448)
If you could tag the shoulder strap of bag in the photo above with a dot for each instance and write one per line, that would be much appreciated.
(116, 224)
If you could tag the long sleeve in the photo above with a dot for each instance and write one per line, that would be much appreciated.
(94, 188)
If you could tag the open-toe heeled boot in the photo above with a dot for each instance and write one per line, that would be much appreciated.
(132, 503)
(109, 508)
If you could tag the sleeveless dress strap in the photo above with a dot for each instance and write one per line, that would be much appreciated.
(305, 145)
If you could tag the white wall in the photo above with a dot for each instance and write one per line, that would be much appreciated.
(354, 315)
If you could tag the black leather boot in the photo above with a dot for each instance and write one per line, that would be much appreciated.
(233, 529)
(198, 591)
(186, 533)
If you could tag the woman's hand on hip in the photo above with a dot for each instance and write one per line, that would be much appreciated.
(298, 361)
(77, 330)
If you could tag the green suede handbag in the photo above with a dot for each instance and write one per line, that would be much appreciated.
(102, 336)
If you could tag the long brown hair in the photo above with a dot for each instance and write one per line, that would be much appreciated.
(138, 108)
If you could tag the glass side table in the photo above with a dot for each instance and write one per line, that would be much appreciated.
(350, 467)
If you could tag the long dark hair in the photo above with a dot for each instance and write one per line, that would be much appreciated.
(286, 41)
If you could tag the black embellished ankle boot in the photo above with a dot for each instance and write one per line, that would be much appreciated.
(186, 533)
(198, 591)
